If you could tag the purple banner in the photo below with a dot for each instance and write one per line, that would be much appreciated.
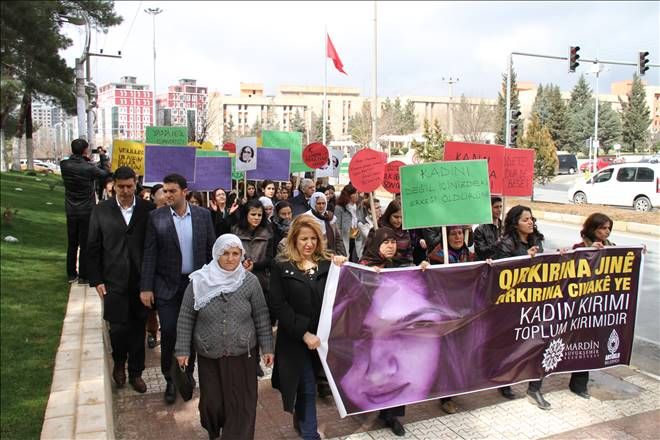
(272, 163)
(211, 173)
(159, 161)
(403, 336)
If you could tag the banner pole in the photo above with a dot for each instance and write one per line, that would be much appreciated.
(245, 186)
(373, 210)
(445, 246)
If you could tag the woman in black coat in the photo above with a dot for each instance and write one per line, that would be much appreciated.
(521, 237)
(297, 284)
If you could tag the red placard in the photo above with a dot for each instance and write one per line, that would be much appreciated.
(315, 155)
(366, 169)
(518, 172)
(494, 154)
(229, 146)
(391, 180)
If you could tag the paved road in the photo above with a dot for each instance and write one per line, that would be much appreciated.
(647, 326)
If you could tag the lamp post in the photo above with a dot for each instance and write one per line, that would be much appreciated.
(153, 12)
(450, 108)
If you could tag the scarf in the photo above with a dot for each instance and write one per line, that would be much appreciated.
(212, 280)
(371, 255)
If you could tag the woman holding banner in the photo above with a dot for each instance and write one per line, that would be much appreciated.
(595, 233)
(297, 285)
(393, 219)
(521, 237)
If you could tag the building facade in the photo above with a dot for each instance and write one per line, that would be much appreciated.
(185, 104)
(124, 110)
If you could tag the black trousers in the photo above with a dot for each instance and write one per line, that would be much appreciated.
(535, 385)
(76, 229)
(127, 340)
(168, 315)
(389, 413)
(579, 381)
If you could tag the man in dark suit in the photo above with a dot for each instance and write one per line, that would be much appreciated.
(115, 246)
(179, 241)
(300, 202)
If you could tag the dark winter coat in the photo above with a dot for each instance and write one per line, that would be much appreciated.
(296, 303)
(80, 176)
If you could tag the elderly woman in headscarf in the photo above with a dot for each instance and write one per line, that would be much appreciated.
(319, 204)
(267, 203)
(225, 317)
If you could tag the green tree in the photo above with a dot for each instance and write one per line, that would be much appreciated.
(360, 125)
(298, 123)
(541, 105)
(557, 116)
(609, 125)
(537, 137)
(316, 132)
(500, 118)
(636, 118)
(228, 131)
(255, 130)
(32, 39)
(580, 121)
(433, 147)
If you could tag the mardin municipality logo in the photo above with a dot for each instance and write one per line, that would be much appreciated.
(612, 347)
(553, 354)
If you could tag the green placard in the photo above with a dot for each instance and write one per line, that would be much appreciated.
(445, 193)
(211, 153)
(287, 139)
(236, 175)
(167, 135)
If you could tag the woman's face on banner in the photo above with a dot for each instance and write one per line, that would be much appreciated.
(396, 353)
(246, 154)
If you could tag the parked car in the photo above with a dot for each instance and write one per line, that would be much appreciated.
(629, 184)
(567, 163)
(600, 164)
(40, 166)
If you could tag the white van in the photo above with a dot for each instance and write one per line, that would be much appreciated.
(627, 184)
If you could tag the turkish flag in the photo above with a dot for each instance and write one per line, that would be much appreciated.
(333, 55)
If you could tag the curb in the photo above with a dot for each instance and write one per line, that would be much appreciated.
(621, 226)
(80, 402)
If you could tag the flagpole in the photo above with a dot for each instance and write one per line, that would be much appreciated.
(374, 92)
(325, 83)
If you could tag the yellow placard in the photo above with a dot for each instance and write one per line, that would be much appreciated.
(128, 153)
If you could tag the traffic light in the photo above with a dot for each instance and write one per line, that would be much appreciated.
(573, 58)
(513, 126)
(642, 63)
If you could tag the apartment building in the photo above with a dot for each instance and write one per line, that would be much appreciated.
(184, 104)
(124, 110)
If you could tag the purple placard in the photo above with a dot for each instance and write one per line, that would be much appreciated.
(211, 173)
(160, 160)
(272, 163)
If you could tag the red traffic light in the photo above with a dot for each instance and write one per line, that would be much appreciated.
(573, 58)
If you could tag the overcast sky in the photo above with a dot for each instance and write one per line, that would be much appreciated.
(223, 43)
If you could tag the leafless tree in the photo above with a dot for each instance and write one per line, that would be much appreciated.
(474, 120)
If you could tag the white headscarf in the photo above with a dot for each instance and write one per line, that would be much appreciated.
(212, 280)
(266, 202)
(315, 197)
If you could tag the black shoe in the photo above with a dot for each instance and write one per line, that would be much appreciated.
(584, 394)
(537, 398)
(151, 341)
(73, 280)
(507, 392)
(324, 390)
(396, 426)
(170, 392)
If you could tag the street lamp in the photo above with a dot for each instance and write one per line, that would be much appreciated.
(450, 113)
(153, 12)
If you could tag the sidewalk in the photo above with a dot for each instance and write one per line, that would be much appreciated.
(625, 404)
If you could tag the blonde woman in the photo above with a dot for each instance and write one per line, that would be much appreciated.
(297, 284)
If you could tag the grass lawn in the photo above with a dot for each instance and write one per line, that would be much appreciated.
(33, 297)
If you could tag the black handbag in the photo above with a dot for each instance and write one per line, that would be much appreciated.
(183, 382)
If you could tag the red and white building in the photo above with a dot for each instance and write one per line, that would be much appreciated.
(184, 105)
(124, 110)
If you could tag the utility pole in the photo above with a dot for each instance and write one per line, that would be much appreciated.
(374, 84)
(153, 12)
(450, 107)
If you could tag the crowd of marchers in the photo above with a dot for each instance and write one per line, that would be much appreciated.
(233, 280)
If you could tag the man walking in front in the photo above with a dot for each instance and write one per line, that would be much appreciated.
(79, 175)
(116, 243)
(179, 241)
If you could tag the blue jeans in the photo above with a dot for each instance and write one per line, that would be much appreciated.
(306, 402)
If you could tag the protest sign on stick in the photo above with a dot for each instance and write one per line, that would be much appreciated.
(161, 160)
(211, 172)
(315, 155)
(128, 153)
(366, 169)
(273, 165)
(518, 172)
(494, 154)
(167, 135)
(445, 193)
(290, 140)
(246, 154)
(331, 168)
(391, 180)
